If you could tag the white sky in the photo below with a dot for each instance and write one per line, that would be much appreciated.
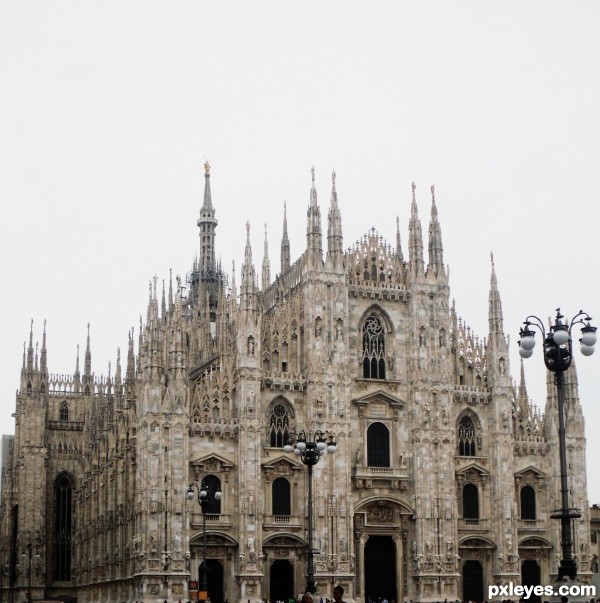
(108, 111)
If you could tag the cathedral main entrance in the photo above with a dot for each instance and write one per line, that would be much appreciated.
(530, 576)
(281, 581)
(380, 569)
(473, 581)
(214, 578)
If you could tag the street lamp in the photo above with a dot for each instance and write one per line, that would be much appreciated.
(310, 448)
(204, 494)
(557, 358)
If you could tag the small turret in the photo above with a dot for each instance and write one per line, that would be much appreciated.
(436, 252)
(335, 242)
(207, 224)
(314, 243)
(248, 287)
(285, 243)
(266, 265)
(415, 238)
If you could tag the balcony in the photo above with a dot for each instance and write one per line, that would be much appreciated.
(212, 519)
(279, 522)
(473, 525)
(397, 477)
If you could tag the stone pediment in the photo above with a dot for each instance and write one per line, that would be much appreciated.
(379, 396)
(282, 466)
(529, 472)
(211, 463)
(473, 472)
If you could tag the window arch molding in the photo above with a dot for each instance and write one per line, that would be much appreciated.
(280, 415)
(374, 334)
(378, 445)
(466, 444)
(63, 523)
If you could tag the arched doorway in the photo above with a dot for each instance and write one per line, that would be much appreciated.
(214, 579)
(530, 576)
(281, 581)
(380, 569)
(472, 580)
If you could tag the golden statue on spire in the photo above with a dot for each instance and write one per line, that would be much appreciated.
(207, 168)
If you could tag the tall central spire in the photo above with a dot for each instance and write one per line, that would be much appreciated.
(314, 244)
(207, 224)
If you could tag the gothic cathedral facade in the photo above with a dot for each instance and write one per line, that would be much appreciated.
(443, 481)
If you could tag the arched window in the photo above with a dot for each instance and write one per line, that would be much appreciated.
(212, 484)
(466, 437)
(279, 426)
(378, 445)
(373, 357)
(63, 495)
(470, 502)
(64, 412)
(281, 497)
(527, 502)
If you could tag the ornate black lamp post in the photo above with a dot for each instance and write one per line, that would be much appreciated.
(557, 358)
(310, 447)
(204, 494)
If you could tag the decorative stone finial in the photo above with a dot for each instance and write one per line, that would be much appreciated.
(312, 172)
(433, 192)
(206, 168)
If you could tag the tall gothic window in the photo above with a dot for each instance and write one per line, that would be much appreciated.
(64, 412)
(281, 497)
(373, 357)
(470, 502)
(378, 445)
(527, 502)
(212, 483)
(279, 426)
(62, 529)
(466, 437)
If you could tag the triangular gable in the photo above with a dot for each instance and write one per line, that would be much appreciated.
(530, 469)
(379, 395)
(473, 467)
(281, 465)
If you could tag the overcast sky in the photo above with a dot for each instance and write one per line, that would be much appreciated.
(109, 110)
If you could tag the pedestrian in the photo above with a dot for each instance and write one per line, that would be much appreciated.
(338, 594)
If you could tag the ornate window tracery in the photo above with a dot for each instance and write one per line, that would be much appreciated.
(279, 426)
(64, 412)
(466, 437)
(373, 353)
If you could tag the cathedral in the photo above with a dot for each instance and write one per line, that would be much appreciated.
(444, 476)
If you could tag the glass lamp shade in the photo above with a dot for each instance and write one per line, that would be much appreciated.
(587, 350)
(218, 495)
(588, 336)
(190, 494)
(321, 445)
(527, 342)
(331, 448)
(561, 336)
(525, 353)
(203, 493)
(297, 451)
(288, 448)
(301, 446)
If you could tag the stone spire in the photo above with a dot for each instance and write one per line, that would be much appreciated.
(399, 253)
(266, 265)
(87, 363)
(415, 237)
(334, 225)
(44, 354)
(496, 323)
(207, 224)
(285, 243)
(314, 243)
(436, 252)
(30, 348)
(247, 286)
